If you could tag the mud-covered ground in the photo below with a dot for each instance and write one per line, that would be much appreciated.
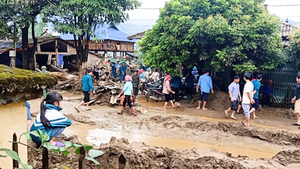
(182, 137)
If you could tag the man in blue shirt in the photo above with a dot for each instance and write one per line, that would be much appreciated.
(87, 86)
(234, 96)
(205, 85)
(256, 86)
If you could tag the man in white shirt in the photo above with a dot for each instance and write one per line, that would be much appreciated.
(155, 75)
(247, 98)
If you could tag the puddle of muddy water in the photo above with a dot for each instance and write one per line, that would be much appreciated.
(90, 135)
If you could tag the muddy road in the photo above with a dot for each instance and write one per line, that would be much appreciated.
(184, 137)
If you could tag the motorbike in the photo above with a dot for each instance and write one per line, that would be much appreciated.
(153, 90)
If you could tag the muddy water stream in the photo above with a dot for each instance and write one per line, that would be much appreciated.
(91, 135)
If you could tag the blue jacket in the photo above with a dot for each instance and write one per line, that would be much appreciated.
(87, 83)
(56, 118)
(256, 86)
(205, 83)
(176, 82)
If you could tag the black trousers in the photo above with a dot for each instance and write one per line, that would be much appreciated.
(175, 96)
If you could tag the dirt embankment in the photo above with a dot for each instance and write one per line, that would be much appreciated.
(269, 135)
(119, 154)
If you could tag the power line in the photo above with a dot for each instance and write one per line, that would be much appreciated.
(283, 5)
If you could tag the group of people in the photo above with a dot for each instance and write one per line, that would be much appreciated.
(249, 99)
(51, 121)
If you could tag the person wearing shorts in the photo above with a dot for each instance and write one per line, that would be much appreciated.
(205, 86)
(256, 87)
(128, 92)
(87, 86)
(296, 100)
(234, 97)
(166, 91)
(247, 98)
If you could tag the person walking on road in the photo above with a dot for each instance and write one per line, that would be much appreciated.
(234, 97)
(296, 100)
(175, 85)
(128, 92)
(87, 86)
(205, 86)
(256, 87)
(135, 83)
(166, 91)
(247, 98)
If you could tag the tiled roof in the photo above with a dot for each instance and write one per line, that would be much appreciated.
(104, 32)
(138, 35)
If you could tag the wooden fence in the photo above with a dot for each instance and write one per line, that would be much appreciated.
(45, 156)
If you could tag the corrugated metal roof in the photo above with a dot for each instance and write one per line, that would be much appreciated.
(104, 32)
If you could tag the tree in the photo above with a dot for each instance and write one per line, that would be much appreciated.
(219, 34)
(293, 49)
(4, 30)
(23, 14)
(81, 17)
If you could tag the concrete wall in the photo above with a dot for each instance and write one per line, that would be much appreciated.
(13, 120)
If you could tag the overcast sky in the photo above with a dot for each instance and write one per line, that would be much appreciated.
(142, 19)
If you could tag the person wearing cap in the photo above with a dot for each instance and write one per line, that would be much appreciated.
(247, 98)
(195, 72)
(205, 86)
(128, 92)
(44, 69)
(296, 100)
(256, 87)
(87, 86)
(234, 97)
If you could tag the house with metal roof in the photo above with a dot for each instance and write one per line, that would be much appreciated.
(108, 40)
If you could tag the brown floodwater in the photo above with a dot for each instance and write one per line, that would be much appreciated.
(92, 135)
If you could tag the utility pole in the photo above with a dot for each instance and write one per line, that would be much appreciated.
(13, 52)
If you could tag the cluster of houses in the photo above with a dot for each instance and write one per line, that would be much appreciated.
(61, 52)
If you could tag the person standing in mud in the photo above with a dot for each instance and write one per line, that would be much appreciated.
(296, 100)
(50, 120)
(189, 85)
(128, 92)
(135, 83)
(247, 98)
(113, 70)
(234, 96)
(175, 85)
(256, 87)
(87, 86)
(166, 91)
(205, 86)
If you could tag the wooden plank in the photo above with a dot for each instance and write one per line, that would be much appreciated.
(81, 158)
(15, 148)
(45, 159)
